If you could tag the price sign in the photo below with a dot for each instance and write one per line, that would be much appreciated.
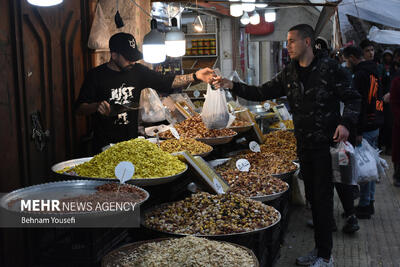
(175, 133)
(254, 146)
(196, 93)
(243, 165)
(282, 126)
(267, 106)
(218, 186)
(124, 171)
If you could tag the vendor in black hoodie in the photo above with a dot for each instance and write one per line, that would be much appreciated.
(366, 82)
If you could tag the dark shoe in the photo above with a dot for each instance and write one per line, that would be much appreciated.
(351, 225)
(372, 207)
(308, 259)
(363, 212)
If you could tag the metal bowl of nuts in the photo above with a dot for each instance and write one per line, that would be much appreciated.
(287, 175)
(242, 129)
(217, 140)
(61, 170)
(206, 215)
(187, 251)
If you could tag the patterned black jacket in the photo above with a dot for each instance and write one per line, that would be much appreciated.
(314, 104)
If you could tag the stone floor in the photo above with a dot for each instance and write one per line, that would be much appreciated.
(376, 244)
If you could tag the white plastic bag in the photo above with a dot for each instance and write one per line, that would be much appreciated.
(344, 163)
(215, 113)
(367, 170)
(151, 108)
(99, 33)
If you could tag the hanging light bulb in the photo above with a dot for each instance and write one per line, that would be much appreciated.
(270, 15)
(45, 2)
(245, 19)
(198, 24)
(175, 42)
(255, 18)
(249, 5)
(236, 10)
(154, 45)
(261, 5)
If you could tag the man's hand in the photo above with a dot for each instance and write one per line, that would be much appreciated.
(206, 75)
(341, 134)
(220, 82)
(386, 98)
(104, 108)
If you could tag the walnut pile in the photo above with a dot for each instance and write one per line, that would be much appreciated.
(195, 128)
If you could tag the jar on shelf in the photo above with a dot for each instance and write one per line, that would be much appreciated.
(200, 51)
(200, 43)
(206, 42)
(195, 43)
(213, 51)
(212, 42)
(194, 52)
(188, 51)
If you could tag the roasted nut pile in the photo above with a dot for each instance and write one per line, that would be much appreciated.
(188, 144)
(240, 123)
(195, 128)
(288, 124)
(149, 160)
(186, 251)
(262, 163)
(251, 184)
(281, 140)
(206, 214)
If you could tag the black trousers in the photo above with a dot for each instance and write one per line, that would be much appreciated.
(316, 170)
(347, 194)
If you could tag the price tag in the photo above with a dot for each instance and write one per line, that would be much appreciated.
(243, 165)
(196, 93)
(175, 133)
(218, 186)
(267, 106)
(254, 146)
(124, 171)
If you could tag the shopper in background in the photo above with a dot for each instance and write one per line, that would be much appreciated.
(314, 86)
(385, 74)
(366, 82)
(119, 82)
(368, 49)
(395, 105)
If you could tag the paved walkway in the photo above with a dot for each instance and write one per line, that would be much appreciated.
(376, 244)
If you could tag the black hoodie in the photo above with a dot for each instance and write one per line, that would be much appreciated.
(366, 82)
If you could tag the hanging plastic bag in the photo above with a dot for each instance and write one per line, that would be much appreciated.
(344, 163)
(215, 113)
(151, 108)
(99, 33)
(367, 167)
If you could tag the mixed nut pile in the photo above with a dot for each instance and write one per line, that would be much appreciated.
(189, 144)
(195, 128)
(206, 214)
(251, 184)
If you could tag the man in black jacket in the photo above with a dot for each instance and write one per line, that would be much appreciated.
(314, 86)
(366, 82)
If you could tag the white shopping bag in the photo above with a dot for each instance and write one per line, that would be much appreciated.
(366, 163)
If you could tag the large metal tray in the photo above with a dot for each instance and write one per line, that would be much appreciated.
(138, 181)
(112, 258)
(216, 140)
(178, 234)
(270, 197)
(56, 191)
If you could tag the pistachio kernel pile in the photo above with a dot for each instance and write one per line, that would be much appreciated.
(149, 160)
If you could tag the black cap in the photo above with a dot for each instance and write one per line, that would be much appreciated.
(125, 44)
